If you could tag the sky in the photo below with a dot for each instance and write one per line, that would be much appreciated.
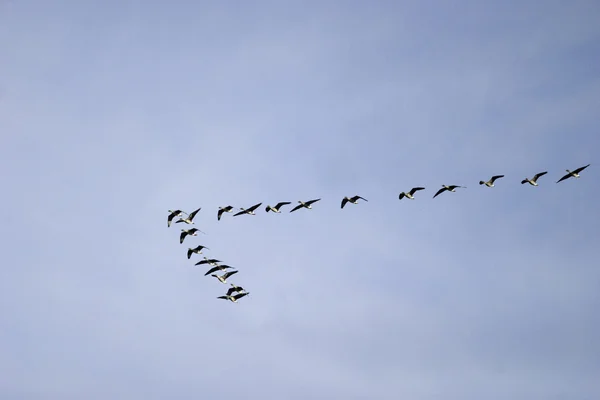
(113, 112)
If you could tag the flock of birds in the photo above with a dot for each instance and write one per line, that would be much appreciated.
(234, 293)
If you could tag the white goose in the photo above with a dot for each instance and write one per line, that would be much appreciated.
(410, 195)
(277, 207)
(226, 209)
(450, 188)
(234, 288)
(533, 181)
(188, 232)
(249, 211)
(574, 174)
(197, 250)
(223, 278)
(221, 267)
(209, 261)
(353, 200)
(173, 214)
(304, 205)
(490, 183)
(235, 298)
(189, 219)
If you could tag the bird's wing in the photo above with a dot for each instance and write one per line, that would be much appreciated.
(536, 176)
(268, 208)
(299, 206)
(496, 177)
(240, 213)
(182, 236)
(439, 191)
(282, 203)
(563, 178)
(344, 201)
(201, 262)
(308, 203)
(401, 195)
(228, 274)
(210, 271)
(193, 214)
(415, 189)
(189, 253)
(219, 213)
(230, 291)
(359, 197)
(578, 170)
(254, 207)
(223, 297)
(523, 181)
(171, 216)
(240, 295)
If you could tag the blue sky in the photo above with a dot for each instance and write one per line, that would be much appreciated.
(111, 113)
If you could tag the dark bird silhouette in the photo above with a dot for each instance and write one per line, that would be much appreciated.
(197, 250)
(249, 211)
(574, 174)
(533, 181)
(189, 218)
(448, 188)
(304, 205)
(410, 195)
(277, 207)
(353, 200)
(490, 183)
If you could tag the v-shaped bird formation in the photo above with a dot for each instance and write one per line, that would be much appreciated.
(235, 292)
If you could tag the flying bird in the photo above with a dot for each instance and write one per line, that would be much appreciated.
(197, 250)
(227, 209)
(221, 267)
(353, 200)
(173, 214)
(277, 207)
(533, 181)
(249, 211)
(304, 205)
(209, 261)
(234, 288)
(410, 195)
(490, 183)
(223, 278)
(190, 232)
(235, 298)
(448, 188)
(574, 174)
(189, 219)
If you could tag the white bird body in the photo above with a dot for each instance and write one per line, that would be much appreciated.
(189, 219)
(223, 278)
(451, 188)
(533, 181)
(233, 298)
(573, 174)
(490, 183)
(353, 200)
(277, 207)
(411, 194)
(226, 209)
(303, 204)
(249, 211)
